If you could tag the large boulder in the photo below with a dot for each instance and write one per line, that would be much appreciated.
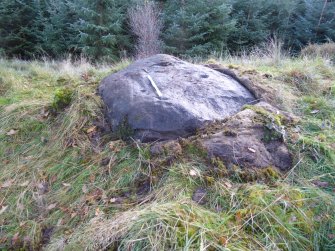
(163, 97)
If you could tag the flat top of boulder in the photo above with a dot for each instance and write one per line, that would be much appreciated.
(163, 97)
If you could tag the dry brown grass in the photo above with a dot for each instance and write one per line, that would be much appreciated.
(326, 50)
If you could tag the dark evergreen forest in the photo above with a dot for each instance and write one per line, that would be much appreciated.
(100, 29)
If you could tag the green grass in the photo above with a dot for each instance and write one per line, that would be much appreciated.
(65, 184)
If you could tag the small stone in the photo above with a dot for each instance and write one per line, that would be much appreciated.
(12, 132)
(193, 173)
(199, 196)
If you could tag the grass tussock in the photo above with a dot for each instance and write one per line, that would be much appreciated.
(67, 184)
(326, 50)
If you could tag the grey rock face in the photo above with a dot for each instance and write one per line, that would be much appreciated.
(163, 97)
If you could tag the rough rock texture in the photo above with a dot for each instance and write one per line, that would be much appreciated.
(250, 139)
(190, 95)
(258, 89)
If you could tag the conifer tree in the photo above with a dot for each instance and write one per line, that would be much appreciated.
(18, 28)
(320, 16)
(197, 27)
(101, 28)
(310, 22)
(58, 34)
(251, 27)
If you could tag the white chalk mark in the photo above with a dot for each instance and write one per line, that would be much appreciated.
(152, 82)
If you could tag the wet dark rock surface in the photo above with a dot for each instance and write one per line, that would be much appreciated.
(163, 97)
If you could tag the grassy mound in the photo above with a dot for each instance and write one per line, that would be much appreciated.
(66, 183)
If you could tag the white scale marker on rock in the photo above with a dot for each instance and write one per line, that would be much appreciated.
(152, 82)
